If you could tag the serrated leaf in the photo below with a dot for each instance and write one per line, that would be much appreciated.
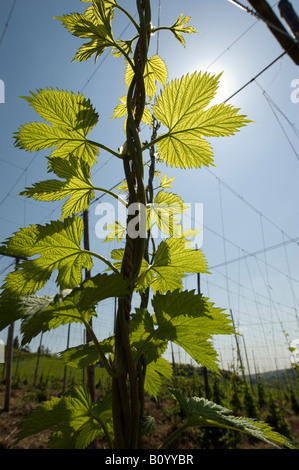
(143, 337)
(78, 305)
(94, 24)
(117, 255)
(118, 232)
(71, 116)
(10, 310)
(76, 419)
(173, 260)
(125, 46)
(86, 354)
(34, 304)
(190, 320)
(58, 247)
(163, 210)
(202, 412)
(178, 303)
(147, 425)
(155, 70)
(121, 111)
(165, 182)
(179, 27)
(185, 318)
(123, 187)
(77, 185)
(153, 380)
(181, 108)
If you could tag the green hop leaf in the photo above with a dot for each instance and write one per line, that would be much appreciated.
(181, 108)
(71, 116)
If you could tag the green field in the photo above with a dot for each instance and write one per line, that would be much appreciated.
(47, 370)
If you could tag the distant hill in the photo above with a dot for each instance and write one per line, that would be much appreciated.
(281, 377)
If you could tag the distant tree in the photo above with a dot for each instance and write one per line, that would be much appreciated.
(26, 348)
(275, 417)
(261, 393)
(44, 350)
(249, 402)
(294, 400)
(16, 343)
(235, 393)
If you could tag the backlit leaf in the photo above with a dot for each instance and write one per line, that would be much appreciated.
(165, 182)
(58, 246)
(95, 25)
(121, 111)
(181, 108)
(179, 27)
(155, 70)
(202, 412)
(76, 420)
(163, 211)
(77, 185)
(76, 305)
(185, 318)
(174, 259)
(71, 116)
(154, 371)
(191, 321)
(118, 232)
(86, 354)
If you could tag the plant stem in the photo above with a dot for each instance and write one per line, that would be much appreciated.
(116, 196)
(106, 432)
(104, 147)
(154, 142)
(102, 258)
(126, 56)
(173, 436)
(140, 350)
(99, 348)
(161, 28)
(128, 15)
(127, 428)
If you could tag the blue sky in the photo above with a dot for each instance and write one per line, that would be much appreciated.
(250, 198)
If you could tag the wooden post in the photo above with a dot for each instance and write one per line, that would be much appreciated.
(247, 362)
(288, 13)
(205, 370)
(237, 344)
(65, 368)
(90, 369)
(172, 355)
(277, 29)
(9, 358)
(37, 360)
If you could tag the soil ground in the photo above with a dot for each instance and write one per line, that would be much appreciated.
(23, 402)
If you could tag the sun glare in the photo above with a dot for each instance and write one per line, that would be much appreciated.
(227, 82)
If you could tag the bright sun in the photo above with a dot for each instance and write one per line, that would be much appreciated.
(227, 84)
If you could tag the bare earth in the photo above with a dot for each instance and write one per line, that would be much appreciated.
(22, 403)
